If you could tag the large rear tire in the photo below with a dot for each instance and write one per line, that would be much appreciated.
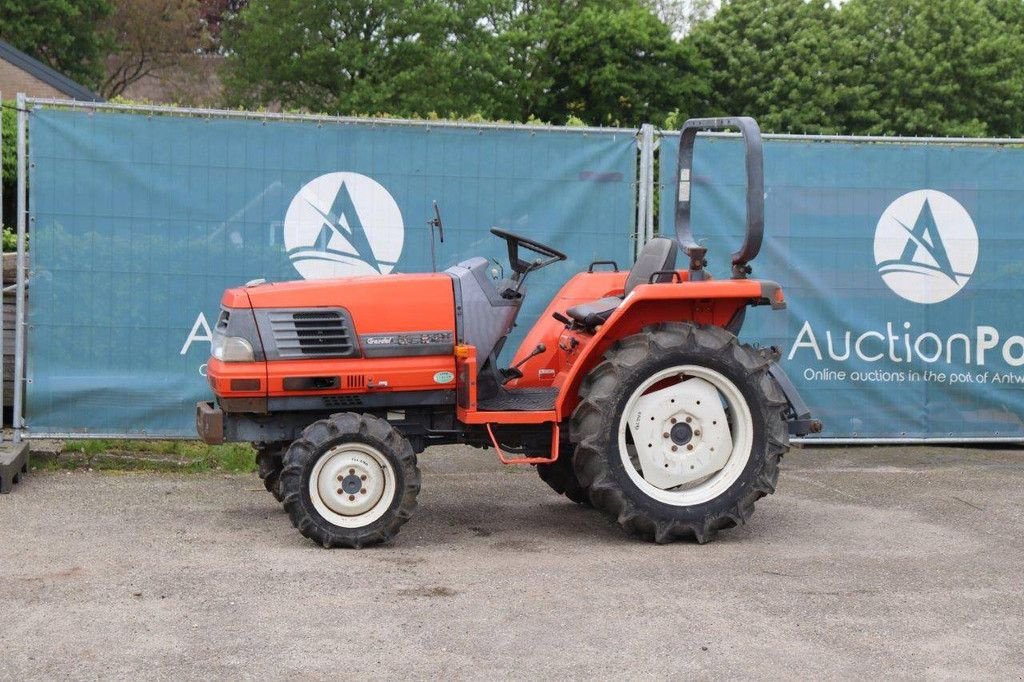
(349, 481)
(561, 477)
(679, 430)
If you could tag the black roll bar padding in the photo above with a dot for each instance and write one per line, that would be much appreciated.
(755, 188)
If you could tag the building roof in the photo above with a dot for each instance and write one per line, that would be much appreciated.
(54, 79)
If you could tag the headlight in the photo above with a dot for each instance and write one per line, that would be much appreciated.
(231, 349)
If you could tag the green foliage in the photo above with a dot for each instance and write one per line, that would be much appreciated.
(906, 67)
(9, 131)
(927, 67)
(406, 57)
(606, 63)
(9, 157)
(600, 62)
(60, 33)
(774, 60)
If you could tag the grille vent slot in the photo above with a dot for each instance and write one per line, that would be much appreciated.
(355, 381)
(334, 401)
(312, 334)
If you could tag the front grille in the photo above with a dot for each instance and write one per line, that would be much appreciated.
(312, 334)
(335, 401)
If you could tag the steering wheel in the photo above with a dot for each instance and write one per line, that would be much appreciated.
(520, 266)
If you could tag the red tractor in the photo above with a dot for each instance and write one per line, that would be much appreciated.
(630, 393)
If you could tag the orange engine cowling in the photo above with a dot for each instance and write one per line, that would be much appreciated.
(335, 343)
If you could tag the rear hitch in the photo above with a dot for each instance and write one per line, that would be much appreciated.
(798, 416)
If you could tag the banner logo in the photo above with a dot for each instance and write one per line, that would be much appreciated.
(342, 224)
(926, 246)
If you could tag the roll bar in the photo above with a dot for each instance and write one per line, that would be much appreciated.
(755, 193)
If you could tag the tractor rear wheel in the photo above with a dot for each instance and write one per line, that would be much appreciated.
(679, 430)
(350, 480)
(559, 475)
(269, 462)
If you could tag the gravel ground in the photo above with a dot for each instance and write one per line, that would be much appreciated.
(871, 562)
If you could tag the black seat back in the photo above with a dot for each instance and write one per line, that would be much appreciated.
(657, 254)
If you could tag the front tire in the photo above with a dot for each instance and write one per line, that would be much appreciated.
(269, 462)
(349, 481)
(679, 431)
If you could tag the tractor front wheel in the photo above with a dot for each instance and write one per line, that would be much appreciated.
(269, 462)
(679, 430)
(350, 480)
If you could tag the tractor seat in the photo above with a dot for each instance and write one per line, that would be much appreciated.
(657, 254)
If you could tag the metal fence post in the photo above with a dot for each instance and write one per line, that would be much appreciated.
(641, 198)
(19, 315)
(652, 146)
(645, 192)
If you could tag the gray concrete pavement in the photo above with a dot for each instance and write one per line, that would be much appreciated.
(866, 563)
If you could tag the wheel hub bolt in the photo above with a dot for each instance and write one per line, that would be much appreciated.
(674, 448)
(696, 433)
(351, 498)
(673, 420)
(690, 446)
(665, 435)
(689, 419)
(363, 491)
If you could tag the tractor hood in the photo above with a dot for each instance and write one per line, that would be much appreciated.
(326, 292)
(376, 304)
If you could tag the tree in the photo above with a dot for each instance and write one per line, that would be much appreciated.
(60, 33)
(602, 62)
(402, 57)
(935, 67)
(213, 14)
(150, 37)
(605, 63)
(892, 67)
(776, 60)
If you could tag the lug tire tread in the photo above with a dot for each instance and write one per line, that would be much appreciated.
(326, 433)
(561, 478)
(603, 389)
(269, 462)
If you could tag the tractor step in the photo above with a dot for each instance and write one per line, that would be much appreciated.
(520, 400)
(13, 464)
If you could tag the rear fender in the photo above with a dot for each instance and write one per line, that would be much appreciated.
(711, 302)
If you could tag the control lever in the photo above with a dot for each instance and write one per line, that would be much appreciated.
(513, 372)
(562, 318)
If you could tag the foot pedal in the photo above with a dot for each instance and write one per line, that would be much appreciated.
(509, 373)
(13, 464)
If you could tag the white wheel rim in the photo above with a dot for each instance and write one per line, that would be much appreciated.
(352, 485)
(667, 463)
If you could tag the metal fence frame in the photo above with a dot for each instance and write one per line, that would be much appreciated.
(645, 184)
